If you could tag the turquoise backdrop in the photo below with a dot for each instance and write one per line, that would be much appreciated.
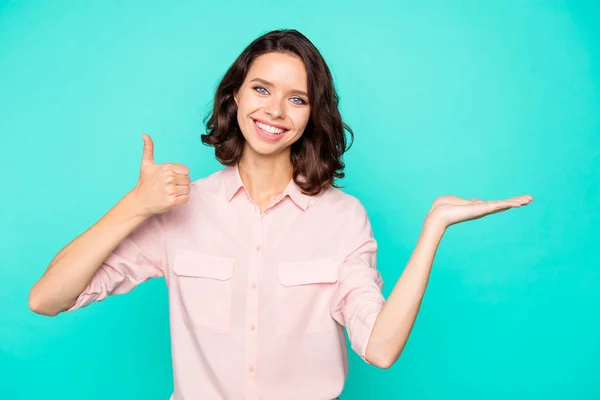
(488, 99)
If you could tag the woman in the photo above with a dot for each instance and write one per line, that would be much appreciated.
(266, 260)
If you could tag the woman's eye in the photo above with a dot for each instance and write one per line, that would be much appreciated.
(259, 88)
(296, 100)
(299, 102)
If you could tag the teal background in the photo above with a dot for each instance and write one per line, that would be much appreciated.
(488, 99)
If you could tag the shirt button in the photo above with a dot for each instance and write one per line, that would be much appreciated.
(258, 247)
(251, 369)
(252, 327)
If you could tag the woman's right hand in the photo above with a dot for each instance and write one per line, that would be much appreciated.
(161, 187)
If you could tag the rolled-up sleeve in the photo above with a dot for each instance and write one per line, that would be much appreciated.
(137, 258)
(358, 300)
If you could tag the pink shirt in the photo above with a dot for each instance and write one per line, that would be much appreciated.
(258, 302)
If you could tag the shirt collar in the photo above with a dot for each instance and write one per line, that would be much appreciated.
(233, 183)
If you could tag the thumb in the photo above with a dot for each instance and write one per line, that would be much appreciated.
(148, 155)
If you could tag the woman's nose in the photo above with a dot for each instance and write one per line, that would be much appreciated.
(275, 109)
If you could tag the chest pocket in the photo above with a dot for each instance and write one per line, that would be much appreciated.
(204, 285)
(304, 294)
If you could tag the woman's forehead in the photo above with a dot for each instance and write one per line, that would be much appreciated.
(279, 69)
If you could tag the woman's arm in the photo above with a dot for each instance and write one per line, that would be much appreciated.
(74, 266)
(160, 188)
(397, 317)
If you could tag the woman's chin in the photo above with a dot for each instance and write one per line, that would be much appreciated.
(262, 149)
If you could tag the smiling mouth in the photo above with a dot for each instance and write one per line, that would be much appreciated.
(268, 129)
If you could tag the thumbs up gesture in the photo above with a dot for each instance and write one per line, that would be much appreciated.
(160, 187)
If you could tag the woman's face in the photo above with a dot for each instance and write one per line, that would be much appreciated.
(273, 107)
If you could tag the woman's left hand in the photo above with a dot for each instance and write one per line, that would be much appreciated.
(450, 210)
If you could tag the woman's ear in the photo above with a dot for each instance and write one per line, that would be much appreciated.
(235, 96)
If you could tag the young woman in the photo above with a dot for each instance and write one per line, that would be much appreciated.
(266, 260)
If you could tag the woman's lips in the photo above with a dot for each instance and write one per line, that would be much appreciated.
(270, 124)
(268, 136)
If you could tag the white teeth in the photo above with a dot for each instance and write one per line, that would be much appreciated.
(269, 128)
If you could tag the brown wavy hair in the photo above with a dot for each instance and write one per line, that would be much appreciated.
(317, 155)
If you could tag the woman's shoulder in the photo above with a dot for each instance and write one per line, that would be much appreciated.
(338, 203)
(338, 197)
(347, 213)
(209, 183)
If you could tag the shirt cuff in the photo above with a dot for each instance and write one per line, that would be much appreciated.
(362, 331)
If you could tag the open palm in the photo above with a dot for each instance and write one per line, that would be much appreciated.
(451, 210)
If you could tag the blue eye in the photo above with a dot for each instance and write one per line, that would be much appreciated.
(301, 101)
(258, 88)
(262, 90)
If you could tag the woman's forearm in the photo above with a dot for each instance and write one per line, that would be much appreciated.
(397, 317)
(75, 265)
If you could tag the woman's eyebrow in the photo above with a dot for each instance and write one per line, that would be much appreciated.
(267, 83)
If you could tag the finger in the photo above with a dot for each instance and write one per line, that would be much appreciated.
(177, 168)
(524, 198)
(511, 204)
(182, 180)
(182, 190)
(148, 154)
(500, 205)
(528, 198)
(522, 201)
(184, 198)
(499, 210)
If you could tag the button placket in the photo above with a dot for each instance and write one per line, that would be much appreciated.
(254, 269)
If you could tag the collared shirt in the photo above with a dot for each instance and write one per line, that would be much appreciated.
(258, 302)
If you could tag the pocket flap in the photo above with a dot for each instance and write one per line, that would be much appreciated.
(200, 265)
(307, 272)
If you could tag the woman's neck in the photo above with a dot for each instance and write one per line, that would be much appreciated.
(265, 177)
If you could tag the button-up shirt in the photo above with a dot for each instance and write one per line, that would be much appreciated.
(258, 301)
